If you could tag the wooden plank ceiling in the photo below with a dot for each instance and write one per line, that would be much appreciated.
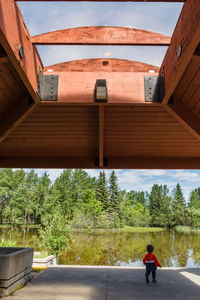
(76, 131)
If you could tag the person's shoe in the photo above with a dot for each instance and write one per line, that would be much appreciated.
(147, 280)
(154, 281)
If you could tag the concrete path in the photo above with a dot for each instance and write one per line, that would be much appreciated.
(110, 283)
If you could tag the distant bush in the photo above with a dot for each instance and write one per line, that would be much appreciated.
(7, 243)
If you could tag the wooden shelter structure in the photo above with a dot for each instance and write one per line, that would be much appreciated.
(99, 113)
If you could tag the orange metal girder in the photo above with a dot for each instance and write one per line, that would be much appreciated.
(184, 41)
(13, 33)
(102, 35)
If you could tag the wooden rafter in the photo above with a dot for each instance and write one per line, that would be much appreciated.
(102, 35)
(4, 59)
(13, 35)
(14, 117)
(184, 42)
(182, 114)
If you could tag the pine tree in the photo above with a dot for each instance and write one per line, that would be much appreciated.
(102, 190)
(194, 201)
(160, 206)
(113, 193)
(178, 206)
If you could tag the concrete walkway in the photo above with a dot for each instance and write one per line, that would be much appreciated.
(110, 283)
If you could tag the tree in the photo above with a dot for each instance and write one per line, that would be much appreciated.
(160, 206)
(194, 200)
(102, 190)
(178, 206)
(113, 193)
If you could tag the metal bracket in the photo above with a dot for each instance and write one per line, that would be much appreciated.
(105, 162)
(154, 87)
(47, 87)
(101, 94)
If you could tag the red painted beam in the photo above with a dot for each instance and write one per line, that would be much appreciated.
(178, 1)
(102, 35)
(102, 0)
(13, 34)
(184, 42)
(125, 80)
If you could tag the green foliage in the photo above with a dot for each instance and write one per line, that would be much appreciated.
(160, 206)
(8, 243)
(54, 234)
(178, 206)
(89, 203)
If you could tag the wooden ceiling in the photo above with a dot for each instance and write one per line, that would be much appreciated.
(75, 130)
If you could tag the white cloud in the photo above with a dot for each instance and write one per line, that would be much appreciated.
(187, 176)
(44, 17)
(107, 54)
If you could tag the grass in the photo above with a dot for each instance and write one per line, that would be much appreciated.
(186, 229)
(141, 229)
(7, 243)
(40, 254)
(125, 229)
(5, 226)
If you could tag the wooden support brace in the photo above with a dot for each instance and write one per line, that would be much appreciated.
(4, 59)
(102, 35)
(101, 136)
(14, 117)
(182, 114)
(16, 42)
(184, 42)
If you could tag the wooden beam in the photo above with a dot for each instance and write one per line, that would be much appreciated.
(125, 80)
(48, 162)
(154, 163)
(101, 136)
(102, 0)
(14, 34)
(184, 42)
(102, 35)
(123, 88)
(15, 116)
(101, 65)
(89, 162)
(183, 114)
(4, 59)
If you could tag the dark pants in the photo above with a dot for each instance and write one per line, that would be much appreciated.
(150, 267)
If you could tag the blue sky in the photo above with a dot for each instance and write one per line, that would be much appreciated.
(161, 17)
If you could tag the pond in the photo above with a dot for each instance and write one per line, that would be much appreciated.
(123, 249)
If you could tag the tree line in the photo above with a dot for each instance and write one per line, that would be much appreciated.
(82, 201)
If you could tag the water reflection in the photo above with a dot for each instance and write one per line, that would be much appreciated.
(125, 249)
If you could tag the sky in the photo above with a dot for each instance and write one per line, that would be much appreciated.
(43, 17)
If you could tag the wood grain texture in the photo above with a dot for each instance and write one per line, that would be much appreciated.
(103, 0)
(101, 65)
(102, 35)
(123, 87)
(186, 36)
(13, 33)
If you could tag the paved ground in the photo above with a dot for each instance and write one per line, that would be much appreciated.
(93, 283)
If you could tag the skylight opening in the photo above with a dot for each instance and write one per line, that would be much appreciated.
(42, 17)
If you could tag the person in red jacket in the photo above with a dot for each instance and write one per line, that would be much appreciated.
(151, 262)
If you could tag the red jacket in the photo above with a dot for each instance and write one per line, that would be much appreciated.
(150, 257)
